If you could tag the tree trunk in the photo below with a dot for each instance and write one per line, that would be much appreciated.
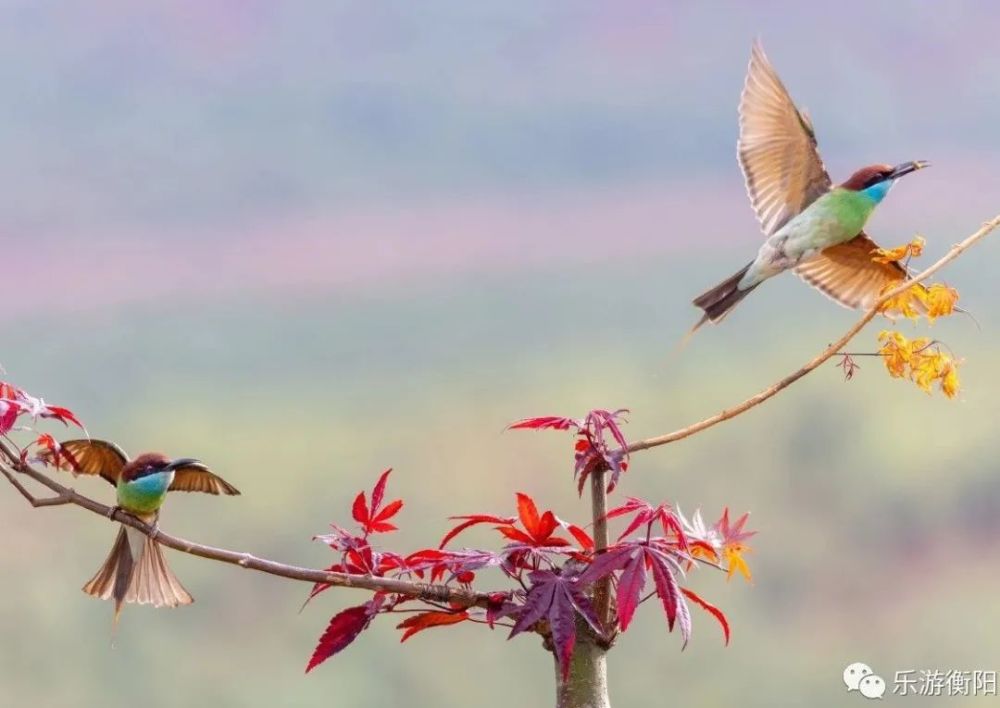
(586, 686)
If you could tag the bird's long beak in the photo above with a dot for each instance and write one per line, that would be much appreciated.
(182, 462)
(908, 167)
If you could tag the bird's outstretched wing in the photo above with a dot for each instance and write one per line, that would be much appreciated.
(98, 457)
(198, 478)
(847, 274)
(777, 148)
(785, 174)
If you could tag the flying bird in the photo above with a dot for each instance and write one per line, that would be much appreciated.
(136, 571)
(812, 226)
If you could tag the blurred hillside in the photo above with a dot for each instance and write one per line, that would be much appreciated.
(305, 243)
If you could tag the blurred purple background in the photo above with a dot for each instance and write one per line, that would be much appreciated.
(308, 241)
(233, 146)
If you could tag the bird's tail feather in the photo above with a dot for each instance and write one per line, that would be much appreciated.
(147, 580)
(153, 583)
(111, 581)
(717, 302)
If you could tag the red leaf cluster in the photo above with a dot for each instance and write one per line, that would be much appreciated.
(593, 451)
(552, 562)
(551, 565)
(16, 403)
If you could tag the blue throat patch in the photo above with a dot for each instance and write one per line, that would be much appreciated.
(152, 484)
(878, 190)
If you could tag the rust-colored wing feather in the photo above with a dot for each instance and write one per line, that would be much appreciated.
(847, 274)
(98, 457)
(198, 478)
(777, 148)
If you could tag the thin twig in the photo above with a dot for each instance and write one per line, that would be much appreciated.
(829, 352)
(932, 343)
(36, 502)
(65, 495)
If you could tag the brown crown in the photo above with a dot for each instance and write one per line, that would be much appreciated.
(863, 177)
(144, 464)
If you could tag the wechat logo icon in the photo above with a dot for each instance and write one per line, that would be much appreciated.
(860, 677)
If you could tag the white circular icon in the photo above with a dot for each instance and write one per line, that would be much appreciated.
(854, 673)
(872, 686)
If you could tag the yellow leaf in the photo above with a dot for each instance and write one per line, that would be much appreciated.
(949, 381)
(699, 549)
(890, 255)
(735, 561)
(908, 303)
(898, 352)
(919, 361)
(925, 370)
(892, 353)
(940, 301)
(913, 249)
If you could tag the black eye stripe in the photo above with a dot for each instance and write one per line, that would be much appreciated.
(147, 470)
(876, 178)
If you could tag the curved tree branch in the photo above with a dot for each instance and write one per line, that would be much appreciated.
(830, 351)
(11, 465)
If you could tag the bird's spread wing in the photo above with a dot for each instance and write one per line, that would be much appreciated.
(777, 148)
(90, 457)
(198, 478)
(847, 274)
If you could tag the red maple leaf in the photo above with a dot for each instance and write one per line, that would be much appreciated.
(646, 514)
(426, 620)
(63, 415)
(9, 412)
(558, 599)
(732, 534)
(460, 564)
(343, 629)
(547, 422)
(360, 561)
(538, 530)
(375, 519)
(472, 520)
(712, 609)
(631, 560)
(51, 453)
(581, 536)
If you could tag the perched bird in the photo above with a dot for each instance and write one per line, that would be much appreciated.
(811, 226)
(135, 570)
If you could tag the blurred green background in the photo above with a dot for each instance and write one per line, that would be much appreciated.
(305, 242)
